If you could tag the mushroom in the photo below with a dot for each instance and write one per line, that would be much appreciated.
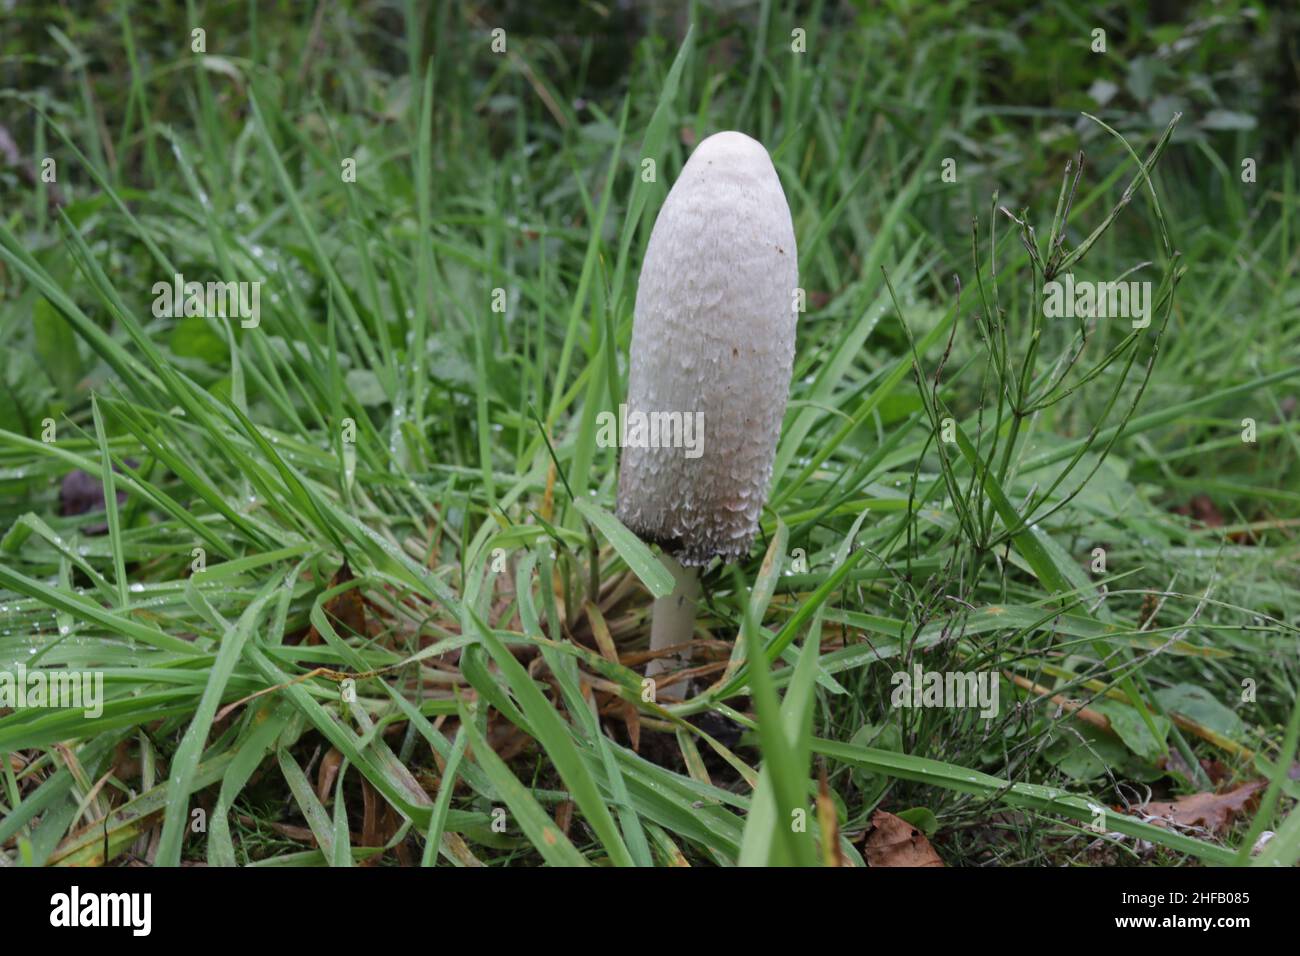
(712, 340)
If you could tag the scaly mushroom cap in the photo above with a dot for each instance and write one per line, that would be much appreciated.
(714, 333)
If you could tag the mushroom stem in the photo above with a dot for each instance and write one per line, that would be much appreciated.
(673, 622)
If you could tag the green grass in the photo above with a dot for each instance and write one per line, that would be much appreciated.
(950, 462)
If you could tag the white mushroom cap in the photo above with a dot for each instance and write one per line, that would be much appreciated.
(713, 332)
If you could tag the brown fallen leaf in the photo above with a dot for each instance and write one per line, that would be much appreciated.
(1150, 608)
(829, 821)
(326, 774)
(1214, 811)
(564, 816)
(892, 841)
(347, 611)
(1201, 509)
(1215, 770)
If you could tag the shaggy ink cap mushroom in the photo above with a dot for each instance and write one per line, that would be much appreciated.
(712, 338)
